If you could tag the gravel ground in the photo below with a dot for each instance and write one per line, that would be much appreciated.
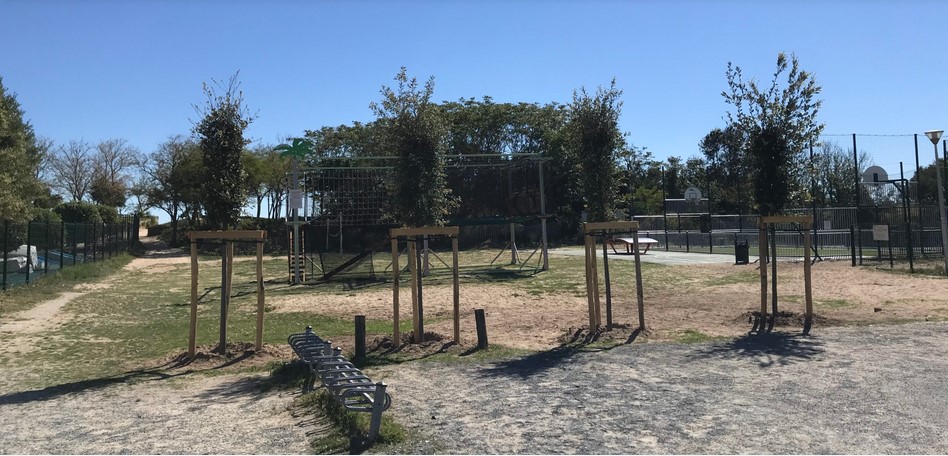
(877, 389)
(213, 415)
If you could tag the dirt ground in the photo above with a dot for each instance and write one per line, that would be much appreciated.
(230, 414)
(710, 304)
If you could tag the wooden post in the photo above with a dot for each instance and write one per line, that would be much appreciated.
(421, 295)
(360, 336)
(605, 276)
(763, 256)
(396, 331)
(230, 270)
(639, 293)
(595, 281)
(225, 301)
(416, 337)
(589, 288)
(457, 292)
(192, 331)
(481, 323)
(807, 281)
(260, 296)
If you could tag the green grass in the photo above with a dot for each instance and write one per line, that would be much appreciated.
(52, 285)
(743, 276)
(834, 304)
(690, 336)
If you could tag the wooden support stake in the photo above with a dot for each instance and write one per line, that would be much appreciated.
(457, 292)
(639, 293)
(396, 331)
(260, 296)
(360, 336)
(605, 276)
(589, 288)
(763, 256)
(225, 302)
(481, 322)
(230, 270)
(416, 337)
(807, 280)
(192, 331)
(595, 281)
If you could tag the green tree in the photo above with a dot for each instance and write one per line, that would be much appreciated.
(221, 135)
(110, 181)
(727, 168)
(174, 172)
(412, 130)
(594, 138)
(776, 124)
(20, 158)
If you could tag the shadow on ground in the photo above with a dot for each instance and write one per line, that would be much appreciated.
(768, 349)
(174, 368)
(581, 341)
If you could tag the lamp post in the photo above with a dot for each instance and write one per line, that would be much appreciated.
(934, 136)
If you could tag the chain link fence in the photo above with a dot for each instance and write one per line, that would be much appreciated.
(33, 250)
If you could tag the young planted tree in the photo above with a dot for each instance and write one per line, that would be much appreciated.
(221, 137)
(776, 124)
(412, 130)
(593, 136)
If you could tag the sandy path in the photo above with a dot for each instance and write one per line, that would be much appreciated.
(203, 415)
(212, 415)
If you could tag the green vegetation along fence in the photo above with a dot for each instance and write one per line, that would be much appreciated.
(34, 249)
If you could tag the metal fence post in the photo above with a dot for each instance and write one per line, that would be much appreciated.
(62, 243)
(29, 257)
(46, 250)
(94, 257)
(75, 242)
(6, 235)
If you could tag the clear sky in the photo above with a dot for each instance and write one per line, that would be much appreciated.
(133, 69)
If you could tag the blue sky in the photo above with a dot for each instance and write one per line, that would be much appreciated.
(105, 69)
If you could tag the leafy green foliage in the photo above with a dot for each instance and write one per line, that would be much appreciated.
(221, 134)
(412, 130)
(175, 171)
(79, 212)
(594, 138)
(107, 192)
(775, 124)
(19, 185)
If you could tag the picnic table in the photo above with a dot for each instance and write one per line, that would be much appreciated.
(628, 242)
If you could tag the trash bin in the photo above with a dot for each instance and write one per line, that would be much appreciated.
(741, 252)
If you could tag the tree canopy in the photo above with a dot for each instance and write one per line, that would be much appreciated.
(221, 136)
(20, 156)
(412, 130)
(775, 125)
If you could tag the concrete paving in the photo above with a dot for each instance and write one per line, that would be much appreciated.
(658, 256)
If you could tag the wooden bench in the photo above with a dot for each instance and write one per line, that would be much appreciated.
(628, 242)
(347, 384)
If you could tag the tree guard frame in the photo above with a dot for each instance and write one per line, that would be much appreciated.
(227, 259)
(412, 236)
(591, 230)
(765, 223)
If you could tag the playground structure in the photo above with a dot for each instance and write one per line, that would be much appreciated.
(227, 269)
(346, 218)
(415, 237)
(603, 229)
(766, 224)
